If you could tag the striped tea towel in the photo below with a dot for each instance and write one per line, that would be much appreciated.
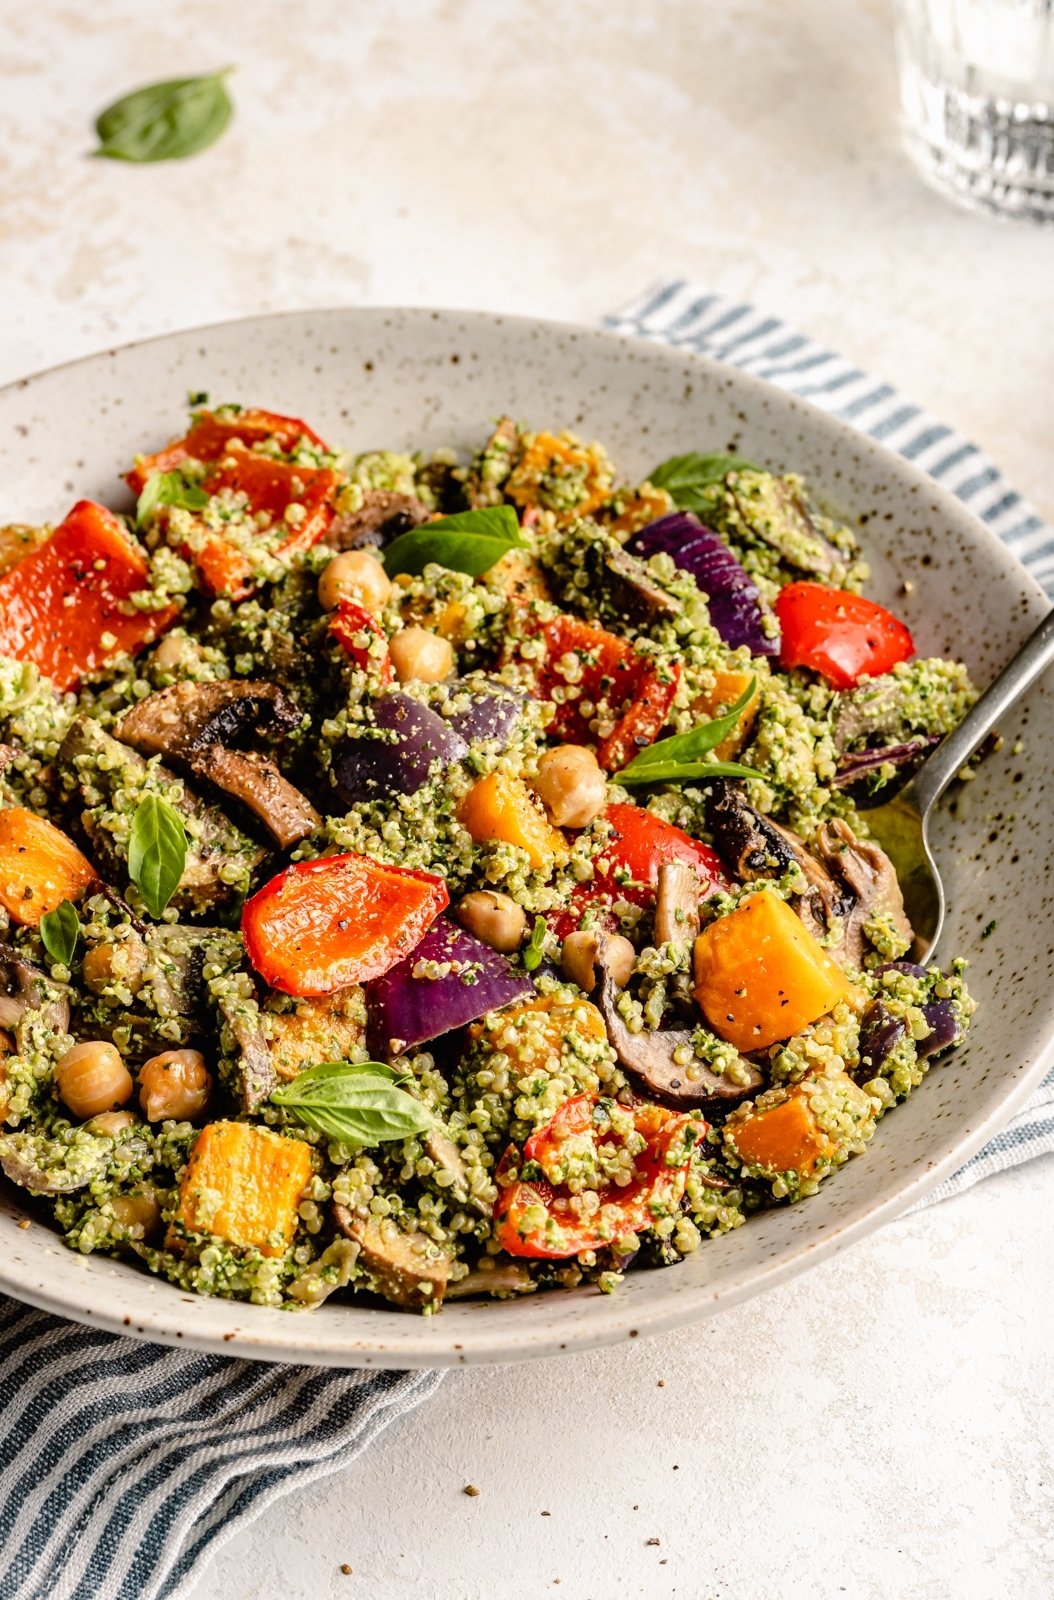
(684, 314)
(124, 1465)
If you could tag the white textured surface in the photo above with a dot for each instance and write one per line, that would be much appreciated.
(883, 1427)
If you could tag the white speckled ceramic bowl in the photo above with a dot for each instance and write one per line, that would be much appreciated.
(420, 378)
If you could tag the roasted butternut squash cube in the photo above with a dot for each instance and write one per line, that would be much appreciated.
(761, 976)
(243, 1184)
(728, 686)
(781, 1138)
(502, 808)
(535, 1033)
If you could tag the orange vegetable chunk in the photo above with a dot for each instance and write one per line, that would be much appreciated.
(729, 685)
(500, 807)
(211, 437)
(60, 606)
(39, 866)
(782, 1138)
(243, 1184)
(322, 925)
(760, 976)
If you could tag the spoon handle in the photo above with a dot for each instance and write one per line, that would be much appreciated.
(935, 774)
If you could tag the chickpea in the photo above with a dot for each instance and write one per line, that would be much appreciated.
(176, 1084)
(92, 1078)
(119, 962)
(579, 957)
(354, 575)
(571, 785)
(494, 918)
(111, 1123)
(140, 1212)
(170, 652)
(418, 655)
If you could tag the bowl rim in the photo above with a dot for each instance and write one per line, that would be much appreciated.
(418, 1347)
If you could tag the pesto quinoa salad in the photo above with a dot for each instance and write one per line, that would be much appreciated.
(425, 877)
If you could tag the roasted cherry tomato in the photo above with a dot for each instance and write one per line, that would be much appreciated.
(586, 665)
(353, 627)
(840, 635)
(541, 1216)
(640, 844)
(211, 436)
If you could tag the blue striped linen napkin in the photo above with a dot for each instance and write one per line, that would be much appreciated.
(684, 314)
(124, 1465)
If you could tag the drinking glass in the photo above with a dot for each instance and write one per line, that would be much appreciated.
(977, 90)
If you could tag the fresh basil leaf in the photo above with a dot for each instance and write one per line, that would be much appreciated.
(532, 956)
(157, 852)
(684, 772)
(469, 541)
(167, 489)
(59, 931)
(684, 477)
(357, 1102)
(679, 758)
(165, 121)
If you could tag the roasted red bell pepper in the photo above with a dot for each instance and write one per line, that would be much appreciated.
(210, 438)
(563, 1229)
(348, 624)
(612, 680)
(61, 605)
(269, 486)
(322, 925)
(640, 844)
(840, 635)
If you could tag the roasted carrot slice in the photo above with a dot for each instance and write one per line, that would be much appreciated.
(39, 866)
(61, 606)
(321, 925)
(243, 1184)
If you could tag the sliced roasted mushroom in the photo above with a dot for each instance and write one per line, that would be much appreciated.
(772, 510)
(501, 1283)
(255, 780)
(409, 1269)
(663, 1062)
(754, 846)
(95, 769)
(252, 1066)
(23, 987)
(631, 592)
(37, 1162)
(381, 517)
(448, 1159)
(871, 877)
(182, 721)
(194, 725)
(677, 904)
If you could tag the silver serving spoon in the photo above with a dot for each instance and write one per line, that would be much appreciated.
(900, 825)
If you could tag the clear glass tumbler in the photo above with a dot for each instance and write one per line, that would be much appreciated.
(977, 89)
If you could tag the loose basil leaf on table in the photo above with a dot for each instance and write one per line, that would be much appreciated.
(157, 852)
(168, 489)
(356, 1102)
(469, 541)
(165, 121)
(678, 759)
(59, 932)
(685, 477)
